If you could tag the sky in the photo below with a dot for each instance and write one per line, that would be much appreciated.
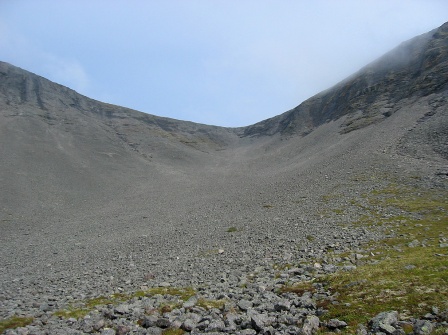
(221, 62)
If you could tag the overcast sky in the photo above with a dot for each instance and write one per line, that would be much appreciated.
(220, 62)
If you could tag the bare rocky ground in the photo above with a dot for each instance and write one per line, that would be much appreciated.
(162, 230)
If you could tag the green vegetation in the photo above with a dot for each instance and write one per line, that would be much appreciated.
(82, 308)
(14, 322)
(184, 293)
(299, 288)
(210, 304)
(408, 271)
(410, 283)
(72, 312)
(173, 331)
(232, 229)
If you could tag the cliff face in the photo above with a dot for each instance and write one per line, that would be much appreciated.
(416, 68)
(24, 94)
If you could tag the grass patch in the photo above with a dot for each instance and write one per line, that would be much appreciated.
(232, 230)
(298, 288)
(411, 270)
(210, 304)
(173, 331)
(391, 285)
(14, 322)
(72, 312)
(184, 293)
(83, 308)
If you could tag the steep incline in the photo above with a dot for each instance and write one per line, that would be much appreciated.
(62, 152)
(24, 94)
(61, 149)
(415, 69)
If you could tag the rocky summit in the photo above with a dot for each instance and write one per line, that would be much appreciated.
(330, 217)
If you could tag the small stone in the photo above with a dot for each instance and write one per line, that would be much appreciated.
(429, 316)
(45, 307)
(283, 305)
(192, 301)
(306, 302)
(153, 331)
(108, 331)
(336, 324)
(86, 325)
(188, 325)
(330, 268)
(423, 327)
(98, 325)
(203, 325)
(310, 325)
(216, 326)
(123, 330)
(163, 323)
(122, 309)
(413, 244)
(258, 321)
(244, 305)
(248, 332)
(71, 321)
(361, 330)
(149, 321)
(384, 322)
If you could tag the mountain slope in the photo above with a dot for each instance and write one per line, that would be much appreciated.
(61, 150)
(57, 105)
(416, 68)
(60, 145)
